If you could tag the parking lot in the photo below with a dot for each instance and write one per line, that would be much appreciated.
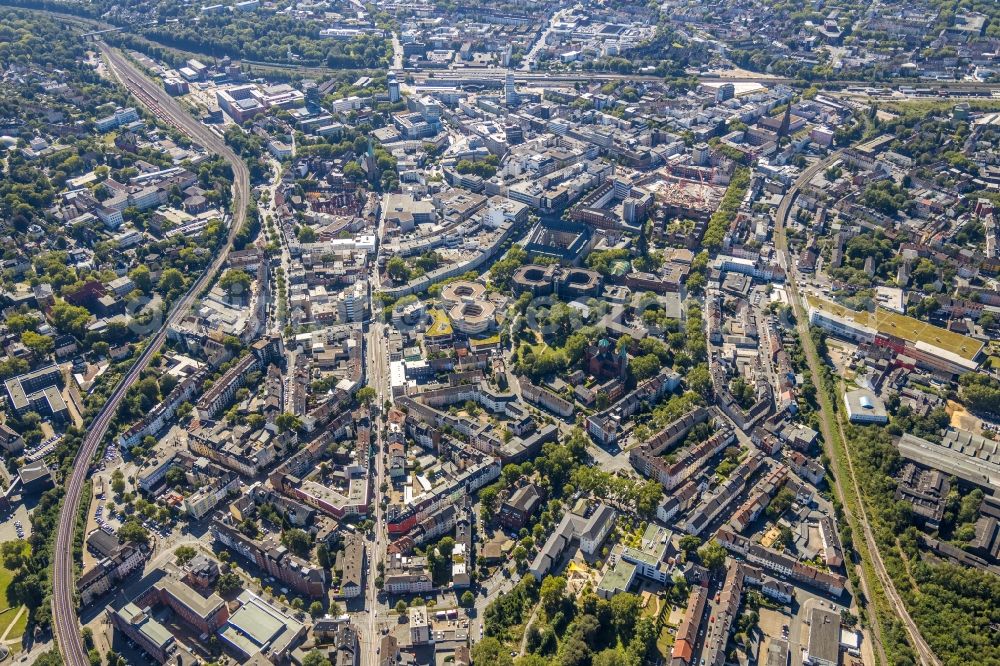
(99, 516)
(16, 525)
(774, 624)
(43, 448)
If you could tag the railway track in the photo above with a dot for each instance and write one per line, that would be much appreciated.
(65, 621)
(94, 25)
(924, 652)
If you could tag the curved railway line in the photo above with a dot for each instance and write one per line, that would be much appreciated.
(846, 480)
(149, 94)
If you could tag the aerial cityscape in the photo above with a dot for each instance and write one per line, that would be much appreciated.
(509, 333)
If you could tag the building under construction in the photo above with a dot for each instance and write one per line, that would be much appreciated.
(681, 198)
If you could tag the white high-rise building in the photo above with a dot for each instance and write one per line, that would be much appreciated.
(352, 303)
(509, 91)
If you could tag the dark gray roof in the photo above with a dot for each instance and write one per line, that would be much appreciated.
(102, 542)
(824, 635)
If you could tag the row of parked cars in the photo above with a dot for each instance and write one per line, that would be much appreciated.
(99, 519)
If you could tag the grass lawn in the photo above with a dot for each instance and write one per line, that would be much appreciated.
(440, 325)
(485, 342)
(17, 628)
(6, 576)
(7, 616)
(652, 609)
(923, 107)
(539, 346)
(665, 643)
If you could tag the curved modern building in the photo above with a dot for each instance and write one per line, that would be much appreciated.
(459, 291)
(473, 317)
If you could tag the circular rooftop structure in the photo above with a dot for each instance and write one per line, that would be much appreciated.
(580, 280)
(461, 291)
(473, 317)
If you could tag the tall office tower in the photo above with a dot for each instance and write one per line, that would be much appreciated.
(509, 91)
(393, 88)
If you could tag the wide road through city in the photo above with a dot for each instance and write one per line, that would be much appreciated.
(153, 97)
(924, 652)
(378, 378)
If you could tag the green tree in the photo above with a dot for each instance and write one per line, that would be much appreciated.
(171, 280)
(306, 234)
(315, 658)
(699, 380)
(689, 544)
(249, 527)
(397, 269)
(298, 541)
(428, 261)
(232, 344)
(353, 171)
(228, 582)
(531, 660)
(551, 594)
(503, 270)
(610, 657)
(446, 546)
(488, 497)
(782, 500)
(490, 651)
(696, 283)
(112, 658)
(140, 276)
(287, 422)
(644, 367)
(39, 345)
(184, 554)
(235, 282)
(16, 554)
(175, 477)
(12, 366)
(70, 319)
(19, 323)
(323, 556)
(625, 611)
(574, 652)
(603, 261)
(132, 531)
(712, 555)
(728, 207)
(969, 507)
